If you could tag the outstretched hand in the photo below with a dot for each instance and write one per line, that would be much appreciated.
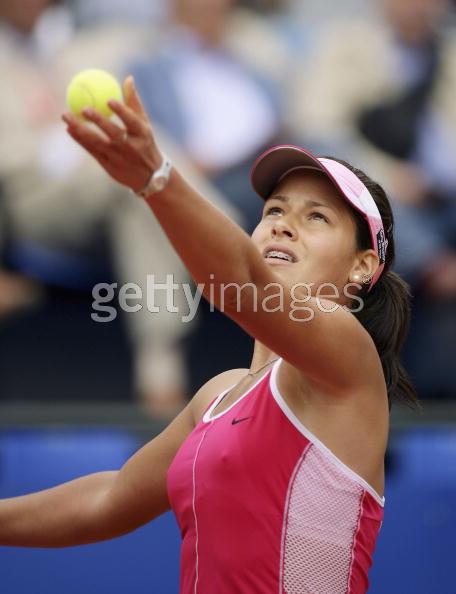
(129, 154)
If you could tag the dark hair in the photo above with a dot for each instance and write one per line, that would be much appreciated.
(386, 311)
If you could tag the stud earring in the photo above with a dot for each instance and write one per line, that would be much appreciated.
(367, 279)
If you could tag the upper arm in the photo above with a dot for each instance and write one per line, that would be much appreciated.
(139, 492)
(327, 346)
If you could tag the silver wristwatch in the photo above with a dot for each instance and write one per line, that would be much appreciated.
(158, 180)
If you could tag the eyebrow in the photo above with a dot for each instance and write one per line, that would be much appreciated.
(307, 204)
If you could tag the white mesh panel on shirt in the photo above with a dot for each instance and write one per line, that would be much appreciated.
(320, 525)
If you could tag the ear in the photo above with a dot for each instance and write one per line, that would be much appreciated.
(366, 264)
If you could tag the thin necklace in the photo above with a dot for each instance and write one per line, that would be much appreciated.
(252, 373)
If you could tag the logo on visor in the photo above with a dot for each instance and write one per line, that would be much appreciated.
(382, 244)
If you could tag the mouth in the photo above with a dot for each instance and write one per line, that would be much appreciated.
(278, 254)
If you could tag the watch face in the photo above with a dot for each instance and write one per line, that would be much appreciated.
(160, 183)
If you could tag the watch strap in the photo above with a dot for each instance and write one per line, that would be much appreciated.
(158, 180)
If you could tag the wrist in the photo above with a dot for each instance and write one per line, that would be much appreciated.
(158, 180)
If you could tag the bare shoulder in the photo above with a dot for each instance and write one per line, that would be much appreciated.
(212, 388)
(353, 424)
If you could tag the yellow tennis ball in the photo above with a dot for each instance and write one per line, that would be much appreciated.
(93, 88)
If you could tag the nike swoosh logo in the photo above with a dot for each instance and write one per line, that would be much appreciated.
(236, 421)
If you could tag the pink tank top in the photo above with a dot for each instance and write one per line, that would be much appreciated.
(265, 508)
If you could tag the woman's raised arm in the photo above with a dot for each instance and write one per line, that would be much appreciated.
(222, 258)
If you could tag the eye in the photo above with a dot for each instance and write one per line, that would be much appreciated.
(318, 216)
(273, 210)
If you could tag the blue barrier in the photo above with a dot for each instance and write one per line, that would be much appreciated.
(415, 549)
(414, 552)
(31, 460)
(145, 561)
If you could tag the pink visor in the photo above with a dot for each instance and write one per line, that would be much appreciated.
(272, 166)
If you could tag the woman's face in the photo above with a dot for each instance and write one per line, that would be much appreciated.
(306, 216)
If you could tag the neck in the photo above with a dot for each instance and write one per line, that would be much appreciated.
(261, 356)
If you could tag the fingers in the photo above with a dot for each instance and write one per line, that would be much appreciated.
(132, 97)
(111, 162)
(95, 144)
(112, 130)
(133, 122)
(102, 159)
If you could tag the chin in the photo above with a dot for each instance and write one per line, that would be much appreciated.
(291, 274)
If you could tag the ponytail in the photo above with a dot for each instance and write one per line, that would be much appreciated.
(386, 316)
(386, 310)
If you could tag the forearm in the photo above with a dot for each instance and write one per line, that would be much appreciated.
(67, 515)
(214, 248)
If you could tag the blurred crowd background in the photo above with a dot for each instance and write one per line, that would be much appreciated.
(371, 81)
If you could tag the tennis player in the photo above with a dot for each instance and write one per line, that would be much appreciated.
(275, 473)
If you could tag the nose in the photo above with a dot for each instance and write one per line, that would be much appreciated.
(281, 228)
